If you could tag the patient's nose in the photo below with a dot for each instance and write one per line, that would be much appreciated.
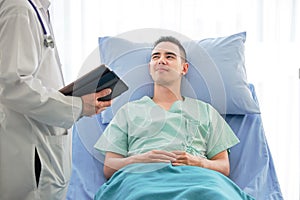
(162, 60)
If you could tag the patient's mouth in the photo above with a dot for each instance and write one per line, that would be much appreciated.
(162, 69)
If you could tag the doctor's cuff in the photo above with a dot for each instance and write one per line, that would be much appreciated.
(77, 108)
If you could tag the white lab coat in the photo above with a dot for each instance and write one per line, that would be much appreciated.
(33, 114)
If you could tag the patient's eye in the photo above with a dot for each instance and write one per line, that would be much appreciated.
(171, 57)
(155, 57)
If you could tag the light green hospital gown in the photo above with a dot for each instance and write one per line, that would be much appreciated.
(189, 125)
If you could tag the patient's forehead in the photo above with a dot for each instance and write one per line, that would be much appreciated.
(163, 47)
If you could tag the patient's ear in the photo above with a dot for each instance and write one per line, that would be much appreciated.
(185, 68)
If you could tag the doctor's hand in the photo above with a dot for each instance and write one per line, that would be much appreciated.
(91, 105)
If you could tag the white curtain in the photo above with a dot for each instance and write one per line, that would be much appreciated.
(272, 52)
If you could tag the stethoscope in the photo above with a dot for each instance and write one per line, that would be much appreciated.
(48, 39)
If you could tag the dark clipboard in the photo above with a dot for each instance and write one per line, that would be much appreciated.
(94, 81)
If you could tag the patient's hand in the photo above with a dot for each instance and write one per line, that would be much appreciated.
(114, 161)
(155, 156)
(184, 158)
(219, 162)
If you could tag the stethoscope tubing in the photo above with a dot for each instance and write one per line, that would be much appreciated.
(48, 40)
(39, 17)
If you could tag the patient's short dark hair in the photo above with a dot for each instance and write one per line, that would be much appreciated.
(174, 41)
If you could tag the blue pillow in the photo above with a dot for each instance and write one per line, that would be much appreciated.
(216, 75)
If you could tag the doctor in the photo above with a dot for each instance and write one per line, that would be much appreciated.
(35, 148)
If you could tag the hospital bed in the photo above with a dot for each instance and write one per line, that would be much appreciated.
(252, 167)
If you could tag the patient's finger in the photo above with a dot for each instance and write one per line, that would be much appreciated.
(180, 160)
(158, 156)
(171, 154)
(179, 152)
(182, 157)
(177, 164)
(166, 155)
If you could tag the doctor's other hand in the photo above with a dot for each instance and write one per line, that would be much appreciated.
(91, 105)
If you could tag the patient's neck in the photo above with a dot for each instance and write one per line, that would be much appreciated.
(165, 97)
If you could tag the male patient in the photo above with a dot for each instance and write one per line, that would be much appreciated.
(167, 128)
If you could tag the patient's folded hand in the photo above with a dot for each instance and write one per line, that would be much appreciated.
(155, 156)
(184, 158)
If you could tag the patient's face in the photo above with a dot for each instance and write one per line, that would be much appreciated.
(166, 65)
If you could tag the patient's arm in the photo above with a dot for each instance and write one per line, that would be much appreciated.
(220, 162)
(113, 161)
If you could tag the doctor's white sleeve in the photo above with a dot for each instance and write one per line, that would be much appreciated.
(23, 87)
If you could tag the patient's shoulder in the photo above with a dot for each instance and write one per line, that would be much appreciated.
(136, 105)
(143, 100)
(199, 104)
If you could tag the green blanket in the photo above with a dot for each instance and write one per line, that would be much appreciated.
(160, 181)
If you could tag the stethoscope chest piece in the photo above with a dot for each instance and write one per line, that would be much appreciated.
(48, 41)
